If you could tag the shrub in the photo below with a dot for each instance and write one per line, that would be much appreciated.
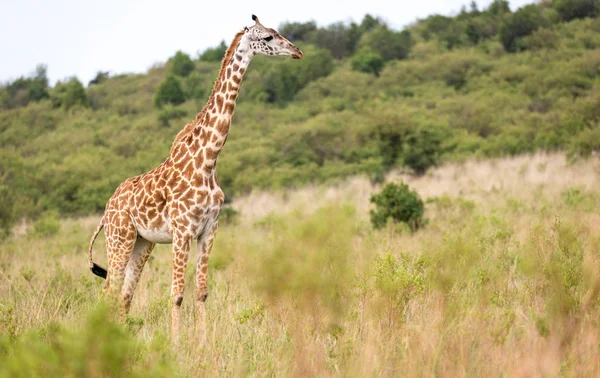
(47, 225)
(68, 94)
(181, 64)
(101, 76)
(214, 54)
(25, 89)
(166, 115)
(572, 9)
(387, 43)
(520, 24)
(423, 149)
(169, 92)
(398, 203)
(367, 61)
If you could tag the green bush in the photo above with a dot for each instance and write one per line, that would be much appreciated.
(573, 9)
(47, 225)
(181, 64)
(169, 113)
(214, 54)
(101, 349)
(423, 149)
(520, 24)
(68, 94)
(388, 43)
(367, 61)
(396, 202)
(170, 91)
(25, 89)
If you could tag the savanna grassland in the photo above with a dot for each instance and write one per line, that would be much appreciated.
(503, 280)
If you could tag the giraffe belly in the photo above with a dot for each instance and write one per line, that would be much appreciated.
(160, 236)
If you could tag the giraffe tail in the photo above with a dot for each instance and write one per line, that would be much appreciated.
(95, 268)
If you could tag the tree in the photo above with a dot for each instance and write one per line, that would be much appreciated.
(572, 9)
(101, 76)
(423, 149)
(26, 89)
(69, 94)
(367, 61)
(181, 64)
(214, 54)
(298, 31)
(169, 91)
(387, 43)
(520, 24)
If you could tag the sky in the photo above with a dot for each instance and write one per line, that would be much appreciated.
(82, 37)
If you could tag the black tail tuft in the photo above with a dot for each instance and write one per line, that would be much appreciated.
(99, 271)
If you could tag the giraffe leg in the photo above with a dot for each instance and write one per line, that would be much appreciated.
(141, 251)
(181, 252)
(205, 244)
(120, 241)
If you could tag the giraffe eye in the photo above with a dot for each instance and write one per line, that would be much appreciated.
(268, 38)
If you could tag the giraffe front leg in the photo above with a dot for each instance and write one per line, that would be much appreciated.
(181, 249)
(205, 244)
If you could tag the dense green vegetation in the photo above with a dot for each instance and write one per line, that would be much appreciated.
(364, 100)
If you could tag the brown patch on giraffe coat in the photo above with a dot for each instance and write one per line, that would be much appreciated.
(223, 127)
(242, 70)
(228, 72)
(236, 79)
(219, 104)
(229, 107)
(211, 154)
(235, 67)
(238, 57)
(208, 168)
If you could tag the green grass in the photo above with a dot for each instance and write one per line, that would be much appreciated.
(502, 281)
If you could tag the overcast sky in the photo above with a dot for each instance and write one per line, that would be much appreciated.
(81, 37)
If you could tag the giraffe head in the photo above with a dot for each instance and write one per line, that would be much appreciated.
(267, 41)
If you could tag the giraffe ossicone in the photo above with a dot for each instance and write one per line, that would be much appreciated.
(179, 200)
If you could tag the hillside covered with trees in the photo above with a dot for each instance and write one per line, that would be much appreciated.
(366, 99)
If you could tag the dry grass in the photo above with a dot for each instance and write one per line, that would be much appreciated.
(503, 281)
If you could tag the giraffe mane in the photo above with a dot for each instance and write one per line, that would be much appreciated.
(228, 55)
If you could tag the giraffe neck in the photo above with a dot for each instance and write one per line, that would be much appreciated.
(203, 140)
(209, 131)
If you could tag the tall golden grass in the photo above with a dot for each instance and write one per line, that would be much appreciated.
(502, 281)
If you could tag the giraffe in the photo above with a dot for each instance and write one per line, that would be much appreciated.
(179, 200)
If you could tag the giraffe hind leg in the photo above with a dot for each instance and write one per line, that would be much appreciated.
(141, 252)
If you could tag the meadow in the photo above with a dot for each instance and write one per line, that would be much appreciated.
(503, 280)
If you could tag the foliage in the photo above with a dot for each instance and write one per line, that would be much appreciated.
(47, 225)
(101, 76)
(423, 149)
(102, 348)
(388, 43)
(367, 61)
(169, 113)
(213, 54)
(181, 64)
(398, 203)
(25, 89)
(68, 94)
(522, 23)
(169, 91)
(572, 9)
